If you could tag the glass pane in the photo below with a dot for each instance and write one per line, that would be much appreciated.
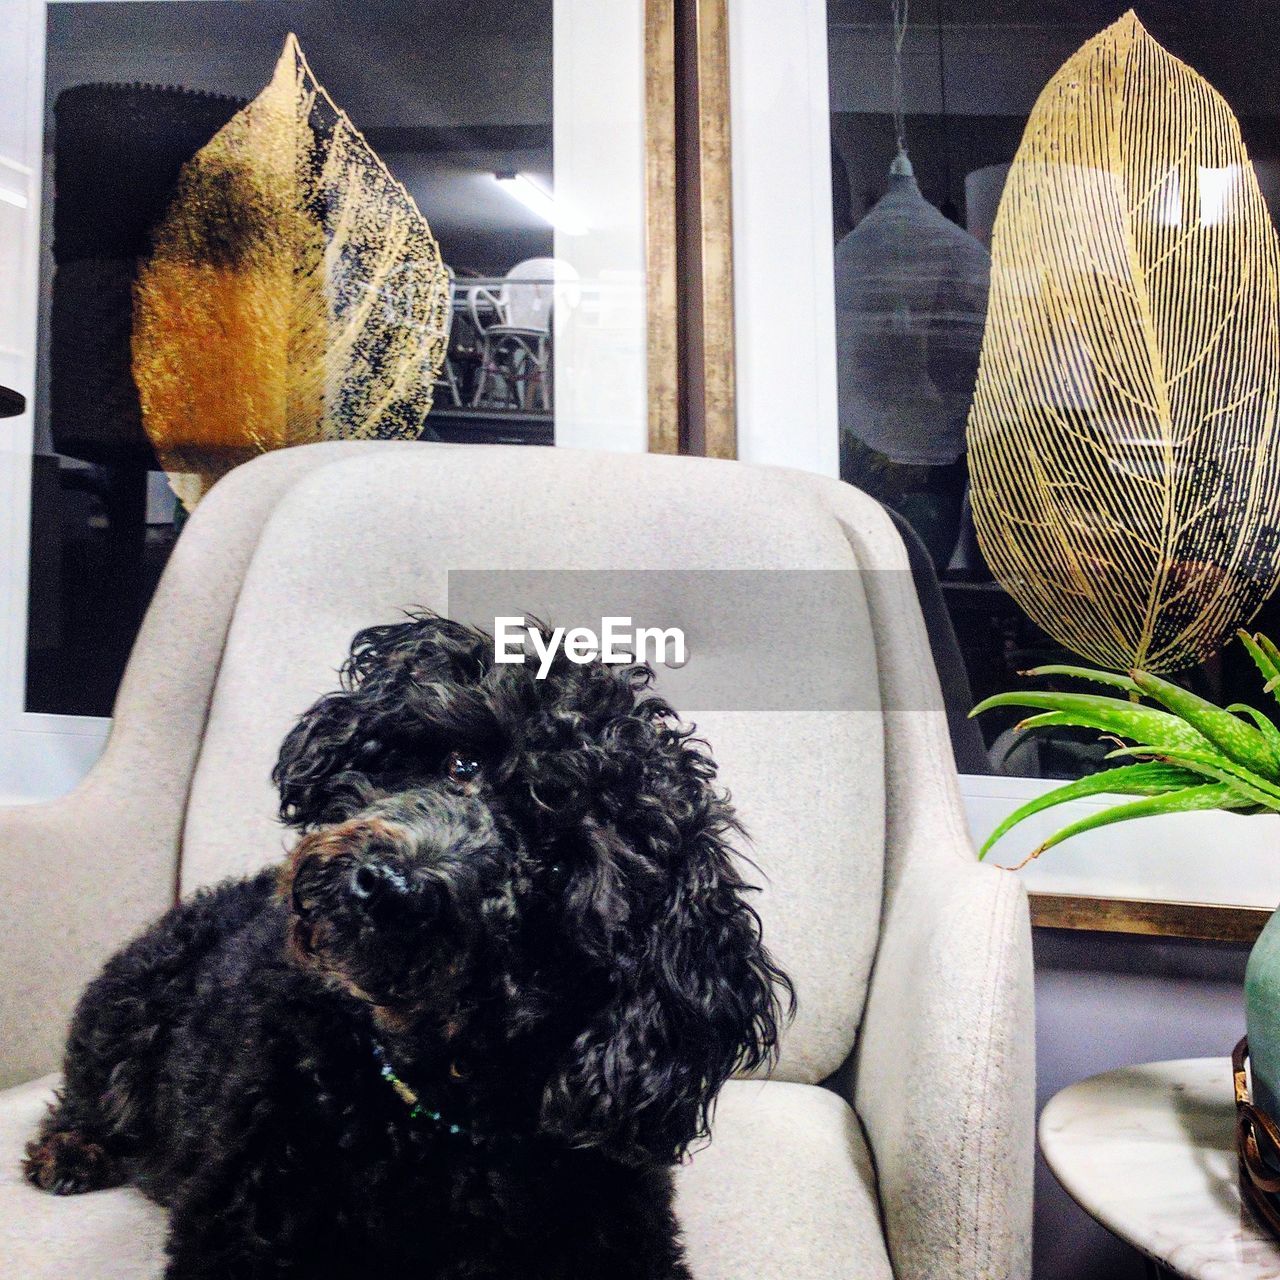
(912, 272)
(455, 101)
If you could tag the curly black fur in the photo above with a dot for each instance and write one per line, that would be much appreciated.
(520, 892)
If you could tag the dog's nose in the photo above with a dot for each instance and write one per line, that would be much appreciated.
(373, 882)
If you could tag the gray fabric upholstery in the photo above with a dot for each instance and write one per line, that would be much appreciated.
(86, 871)
(953, 677)
(109, 1235)
(785, 1191)
(944, 1072)
(912, 962)
(309, 587)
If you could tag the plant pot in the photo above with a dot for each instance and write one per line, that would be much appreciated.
(1262, 1017)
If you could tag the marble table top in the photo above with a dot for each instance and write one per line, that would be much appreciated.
(1149, 1151)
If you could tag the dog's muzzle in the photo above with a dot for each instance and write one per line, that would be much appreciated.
(397, 890)
(382, 891)
(372, 883)
(354, 870)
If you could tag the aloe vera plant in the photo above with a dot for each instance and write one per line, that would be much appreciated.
(1186, 753)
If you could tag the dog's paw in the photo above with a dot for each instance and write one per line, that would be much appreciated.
(65, 1163)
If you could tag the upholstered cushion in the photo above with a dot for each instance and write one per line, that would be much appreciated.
(788, 1177)
(784, 1192)
(107, 1235)
(357, 541)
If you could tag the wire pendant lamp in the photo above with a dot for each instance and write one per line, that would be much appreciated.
(911, 299)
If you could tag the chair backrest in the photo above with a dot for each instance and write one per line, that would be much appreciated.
(375, 528)
(485, 307)
(528, 293)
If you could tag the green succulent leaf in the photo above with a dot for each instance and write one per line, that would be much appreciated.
(1189, 799)
(1270, 670)
(1214, 766)
(1192, 754)
(1268, 646)
(1118, 716)
(1112, 678)
(1266, 726)
(1047, 720)
(1263, 660)
(1127, 780)
(1240, 741)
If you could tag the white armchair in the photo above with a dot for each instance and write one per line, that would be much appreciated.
(894, 1138)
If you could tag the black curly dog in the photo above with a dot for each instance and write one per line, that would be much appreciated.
(471, 1023)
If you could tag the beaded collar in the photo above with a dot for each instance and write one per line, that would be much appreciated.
(418, 1110)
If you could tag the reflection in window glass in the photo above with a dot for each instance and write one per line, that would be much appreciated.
(912, 269)
(457, 104)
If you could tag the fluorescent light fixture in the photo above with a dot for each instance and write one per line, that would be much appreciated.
(1218, 196)
(1168, 202)
(546, 206)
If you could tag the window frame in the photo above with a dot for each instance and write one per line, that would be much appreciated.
(40, 754)
(602, 126)
(787, 415)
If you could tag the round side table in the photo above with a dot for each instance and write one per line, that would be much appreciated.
(1149, 1152)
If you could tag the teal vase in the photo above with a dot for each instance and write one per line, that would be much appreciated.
(1262, 1019)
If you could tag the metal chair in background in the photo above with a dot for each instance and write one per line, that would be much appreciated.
(514, 325)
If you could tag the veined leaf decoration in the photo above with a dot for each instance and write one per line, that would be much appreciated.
(295, 293)
(1122, 440)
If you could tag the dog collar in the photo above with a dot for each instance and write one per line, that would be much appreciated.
(418, 1110)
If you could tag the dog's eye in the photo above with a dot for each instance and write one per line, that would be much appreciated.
(461, 767)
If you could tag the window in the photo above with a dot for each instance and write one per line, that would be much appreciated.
(133, 90)
(545, 261)
(912, 261)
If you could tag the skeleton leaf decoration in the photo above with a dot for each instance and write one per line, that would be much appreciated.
(295, 293)
(1122, 440)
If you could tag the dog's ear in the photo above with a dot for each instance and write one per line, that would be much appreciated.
(402, 685)
(320, 773)
(696, 994)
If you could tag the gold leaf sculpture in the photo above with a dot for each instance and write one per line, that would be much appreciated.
(294, 294)
(1122, 440)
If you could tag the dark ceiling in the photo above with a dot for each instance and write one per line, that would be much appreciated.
(992, 46)
(1251, 15)
(391, 63)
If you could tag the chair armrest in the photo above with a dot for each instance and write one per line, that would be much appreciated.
(944, 1071)
(82, 874)
(944, 1079)
(78, 879)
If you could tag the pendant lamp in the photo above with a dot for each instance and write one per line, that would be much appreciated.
(911, 299)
